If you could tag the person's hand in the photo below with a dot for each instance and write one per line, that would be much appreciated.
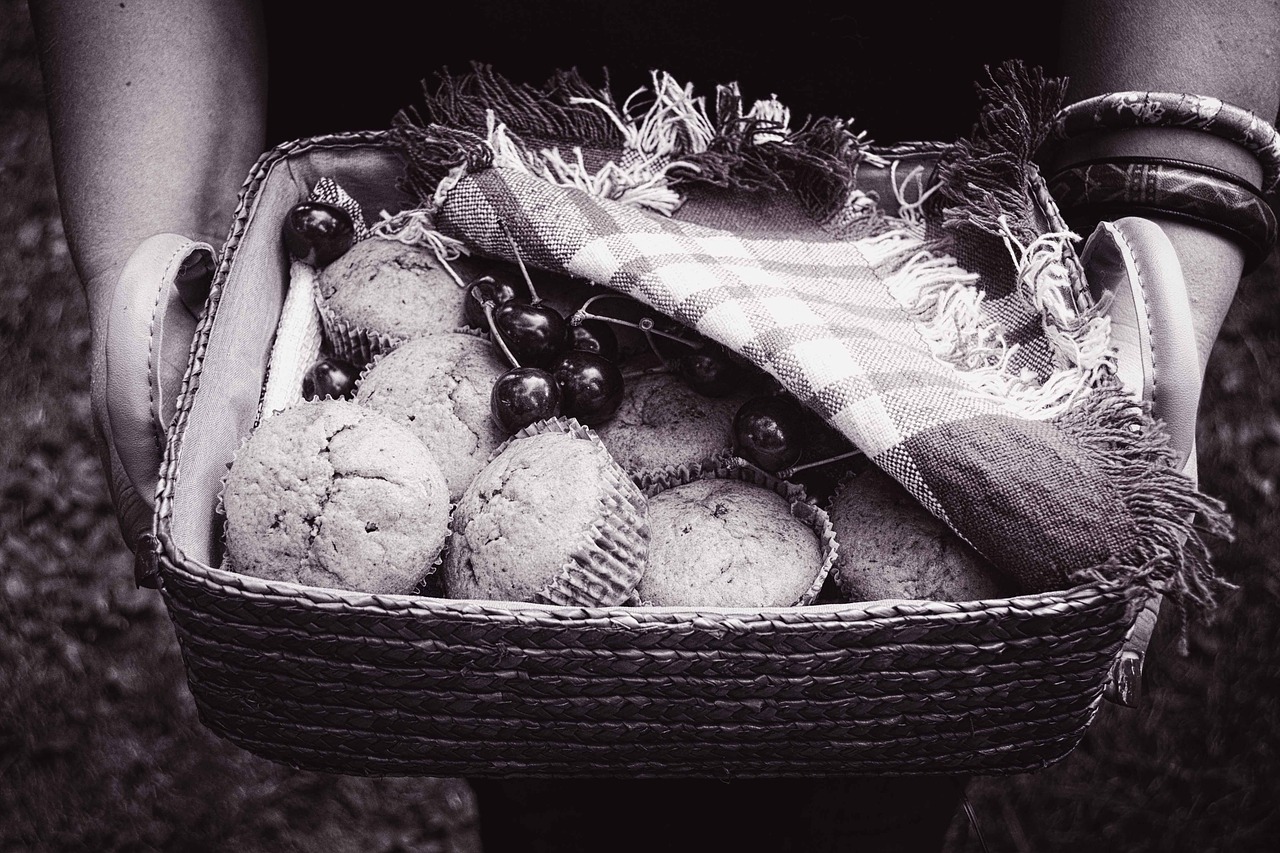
(142, 334)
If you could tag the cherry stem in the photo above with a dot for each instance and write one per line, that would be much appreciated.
(629, 375)
(645, 325)
(787, 472)
(497, 336)
(515, 250)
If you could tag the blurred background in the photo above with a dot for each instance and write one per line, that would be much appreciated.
(100, 747)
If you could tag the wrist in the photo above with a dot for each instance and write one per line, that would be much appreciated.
(1212, 267)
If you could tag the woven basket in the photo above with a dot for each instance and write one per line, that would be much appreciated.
(408, 685)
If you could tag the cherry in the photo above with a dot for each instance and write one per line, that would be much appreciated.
(318, 233)
(768, 431)
(534, 333)
(709, 370)
(485, 289)
(594, 336)
(522, 396)
(591, 386)
(330, 377)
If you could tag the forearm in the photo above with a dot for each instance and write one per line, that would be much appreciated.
(157, 113)
(1222, 48)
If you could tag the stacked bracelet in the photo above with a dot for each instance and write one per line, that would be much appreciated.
(1189, 192)
(1121, 110)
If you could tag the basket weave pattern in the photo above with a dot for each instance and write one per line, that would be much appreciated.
(361, 684)
(401, 685)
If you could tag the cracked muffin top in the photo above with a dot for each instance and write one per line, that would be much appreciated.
(330, 494)
(392, 289)
(551, 519)
(438, 387)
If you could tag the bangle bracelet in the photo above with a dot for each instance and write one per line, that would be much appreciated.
(1133, 160)
(1186, 192)
(1121, 110)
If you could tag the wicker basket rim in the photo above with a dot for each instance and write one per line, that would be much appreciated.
(1083, 595)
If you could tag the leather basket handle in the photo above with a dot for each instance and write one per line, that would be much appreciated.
(1134, 261)
(150, 326)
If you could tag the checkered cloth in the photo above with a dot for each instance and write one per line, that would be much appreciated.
(1032, 453)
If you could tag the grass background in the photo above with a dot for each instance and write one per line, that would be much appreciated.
(100, 748)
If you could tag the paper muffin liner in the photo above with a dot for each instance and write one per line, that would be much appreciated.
(354, 343)
(219, 508)
(431, 584)
(803, 509)
(365, 367)
(604, 568)
(646, 477)
(474, 332)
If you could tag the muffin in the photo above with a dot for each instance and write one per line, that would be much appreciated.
(734, 538)
(438, 387)
(663, 423)
(383, 292)
(891, 547)
(551, 519)
(330, 494)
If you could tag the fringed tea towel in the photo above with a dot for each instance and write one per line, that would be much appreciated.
(948, 339)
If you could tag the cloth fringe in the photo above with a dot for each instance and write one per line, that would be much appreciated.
(557, 133)
(985, 185)
(436, 157)
(642, 183)
(639, 152)
(1174, 518)
(557, 111)
(947, 304)
(674, 123)
(415, 228)
(815, 162)
(985, 176)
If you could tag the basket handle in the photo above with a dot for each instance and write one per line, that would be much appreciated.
(1134, 261)
(151, 323)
